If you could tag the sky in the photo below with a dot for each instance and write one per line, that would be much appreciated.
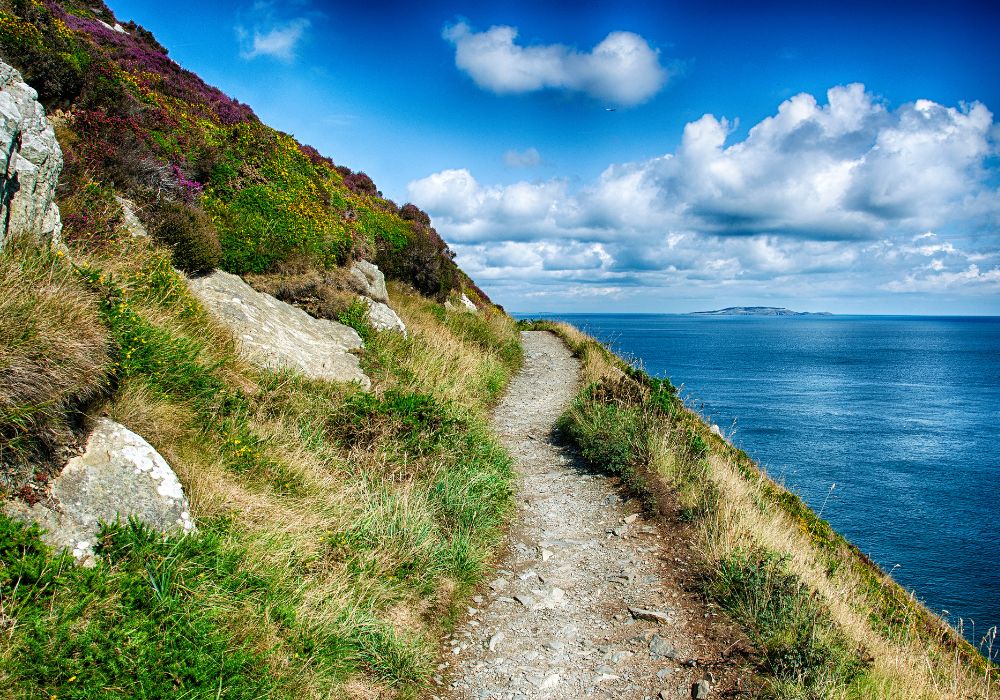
(648, 157)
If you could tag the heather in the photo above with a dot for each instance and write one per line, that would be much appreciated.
(131, 120)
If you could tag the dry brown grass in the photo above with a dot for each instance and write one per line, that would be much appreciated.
(54, 357)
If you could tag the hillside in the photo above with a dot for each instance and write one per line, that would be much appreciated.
(331, 530)
(757, 311)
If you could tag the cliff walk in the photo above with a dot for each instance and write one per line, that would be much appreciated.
(592, 598)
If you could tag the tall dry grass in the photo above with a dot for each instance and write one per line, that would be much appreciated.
(54, 357)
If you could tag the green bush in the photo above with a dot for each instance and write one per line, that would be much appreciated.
(190, 233)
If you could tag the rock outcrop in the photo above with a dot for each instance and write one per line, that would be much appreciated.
(464, 304)
(383, 318)
(278, 335)
(370, 284)
(370, 281)
(118, 476)
(30, 163)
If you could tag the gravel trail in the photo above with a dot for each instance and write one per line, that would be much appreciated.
(584, 603)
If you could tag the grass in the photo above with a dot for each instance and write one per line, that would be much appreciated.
(826, 621)
(339, 530)
(54, 354)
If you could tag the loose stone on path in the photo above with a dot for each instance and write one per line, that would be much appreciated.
(578, 607)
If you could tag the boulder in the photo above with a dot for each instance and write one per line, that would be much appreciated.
(370, 281)
(130, 221)
(278, 335)
(384, 318)
(467, 303)
(30, 163)
(118, 476)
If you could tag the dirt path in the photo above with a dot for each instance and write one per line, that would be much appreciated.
(588, 601)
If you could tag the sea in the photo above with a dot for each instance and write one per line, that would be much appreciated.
(888, 426)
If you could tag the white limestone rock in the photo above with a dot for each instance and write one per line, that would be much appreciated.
(30, 163)
(118, 476)
(130, 221)
(370, 281)
(467, 303)
(278, 335)
(383, 318)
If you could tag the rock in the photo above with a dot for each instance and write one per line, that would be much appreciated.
(525, 600)
(660, 616)
(384, 318)
(554, 645)
(467, 303)
(118, 476)
(660, 648)
(275, 334)
(700, 690)
(369, 281)
(629, 519)
(498, 584)
(619, 531)
(130, 222)
(495, 640)
(30, 163)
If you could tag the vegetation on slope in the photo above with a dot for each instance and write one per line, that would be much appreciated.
(826, 621)
(208, 178)
(337, 528)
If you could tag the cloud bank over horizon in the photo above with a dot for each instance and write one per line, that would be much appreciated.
(622, 69)
(847, 198)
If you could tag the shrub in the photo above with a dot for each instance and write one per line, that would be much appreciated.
(411, 212)
(190, 233)
(425, 262)
(359, 183)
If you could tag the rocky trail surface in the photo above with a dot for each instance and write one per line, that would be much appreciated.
(592, 599)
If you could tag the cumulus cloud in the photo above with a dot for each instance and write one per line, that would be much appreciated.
(843, 195)
(623, 68)
(262, 33)
(528, 158)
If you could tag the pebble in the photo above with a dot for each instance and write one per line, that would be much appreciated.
(660, 616)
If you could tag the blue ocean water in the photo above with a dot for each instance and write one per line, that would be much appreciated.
(901, 413)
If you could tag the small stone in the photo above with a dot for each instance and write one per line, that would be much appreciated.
(700, 690)
(661, 648)
(546, 555)
(525, 600)
(629, 519)
(664, 672)
(495, 640)
(619, 531)
(498, 585)
(660, 616)
(554, 645)
(605, 670)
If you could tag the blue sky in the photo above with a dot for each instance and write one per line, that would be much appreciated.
(849, 160)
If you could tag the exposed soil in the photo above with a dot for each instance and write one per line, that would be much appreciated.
(562, 619)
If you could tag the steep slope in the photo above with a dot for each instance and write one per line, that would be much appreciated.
(202, 172)
(338, 528)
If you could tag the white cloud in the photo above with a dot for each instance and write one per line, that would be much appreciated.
(262, 33)
(843, 196)
(623, 68)
(528, 158)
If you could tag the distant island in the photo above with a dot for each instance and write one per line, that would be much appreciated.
(757, 311)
